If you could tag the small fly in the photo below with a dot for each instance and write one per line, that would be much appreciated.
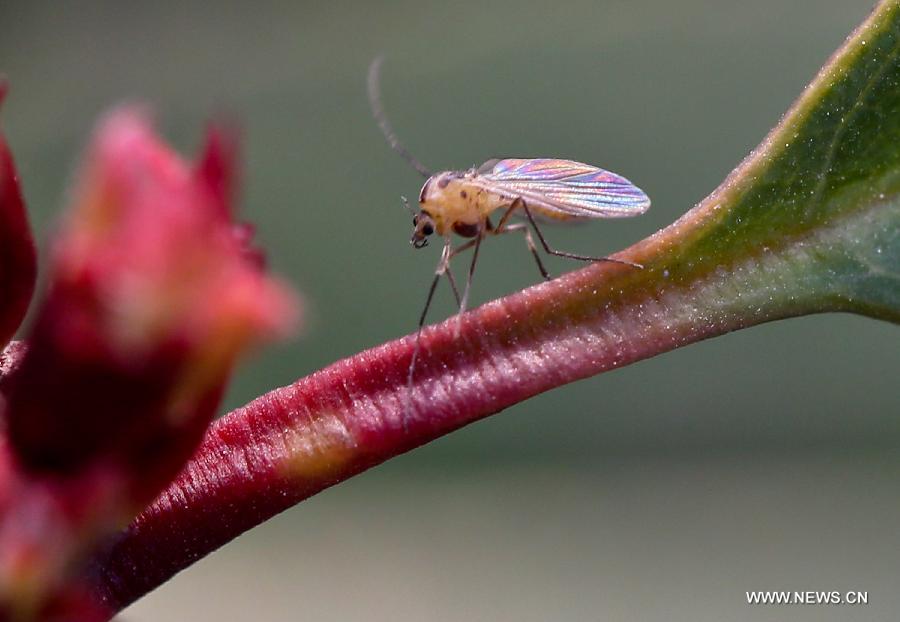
(463, 202)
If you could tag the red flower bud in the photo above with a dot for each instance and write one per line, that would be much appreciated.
(18, 265)
(152, 296)
(153, 293)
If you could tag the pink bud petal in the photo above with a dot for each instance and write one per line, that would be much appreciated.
(18, 264)
(153, 294)
(152, 297)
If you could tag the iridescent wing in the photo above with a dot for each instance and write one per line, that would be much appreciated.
(563, 189)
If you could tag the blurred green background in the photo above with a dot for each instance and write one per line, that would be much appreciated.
(766, 459)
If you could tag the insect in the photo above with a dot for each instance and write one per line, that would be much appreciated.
(464, 202)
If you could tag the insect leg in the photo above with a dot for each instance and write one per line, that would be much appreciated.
(519, 202)
(453, 286)
(502, 227)
(465, 298)
(443, 267)
(461, 248)
(509, 212)
(521, 226)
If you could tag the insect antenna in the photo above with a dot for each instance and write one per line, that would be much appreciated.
(381, 118)
(406, 205)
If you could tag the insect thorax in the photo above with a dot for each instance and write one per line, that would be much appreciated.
(454, 200)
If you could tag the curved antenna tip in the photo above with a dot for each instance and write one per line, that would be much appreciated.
(374, 87)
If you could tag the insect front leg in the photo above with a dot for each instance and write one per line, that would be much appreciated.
(443, 267)
(520, 203)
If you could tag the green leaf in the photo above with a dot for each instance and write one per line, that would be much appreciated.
(814, 211)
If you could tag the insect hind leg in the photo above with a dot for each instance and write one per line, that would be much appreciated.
(520, 203)
(529, 240)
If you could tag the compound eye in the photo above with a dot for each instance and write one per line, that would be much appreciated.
(427, 229)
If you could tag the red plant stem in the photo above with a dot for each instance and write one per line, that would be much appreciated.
(295, 441)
